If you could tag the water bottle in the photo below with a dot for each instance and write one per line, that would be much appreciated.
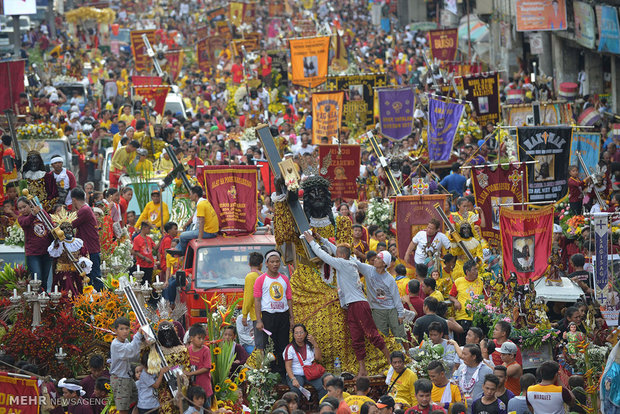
(337, 367)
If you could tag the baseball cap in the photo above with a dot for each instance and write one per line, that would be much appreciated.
(508, 348)
(386, 401)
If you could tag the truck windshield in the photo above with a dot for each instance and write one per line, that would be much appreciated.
(226, 266)
(49, 149)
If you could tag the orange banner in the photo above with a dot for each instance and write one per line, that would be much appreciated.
(309, 60)
(326, 114)
(541, 15)
(19, 395)
(153, 93)
(142, 61)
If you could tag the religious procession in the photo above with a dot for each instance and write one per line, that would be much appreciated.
(310, 206)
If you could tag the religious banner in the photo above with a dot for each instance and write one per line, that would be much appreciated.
(396, 108)
(443, 44)
(232, 193)
(601, 244)
(482, 90)
(343, 167)
(219, 14)
(359, 96)
(326, 114)
(492, 188)
(551, 113)
(309, 60)
(202, 55)
(526, 242)
(236, 10)
(444, 118)
(279, 65)
(156, 94)
(250, 45)
(606, 287)
(549, 147)
(19, 395)
(588, 144)
(142, 61)
(215, 46)
(304, 27)
(175, 63)
(146, 80)
(608, 29)
(585, 33)
(11, 83)
(340, 56)
(541, 15)
(461, 68)
(202, 32)
(412, 214)
(250, 12)
(276, 8)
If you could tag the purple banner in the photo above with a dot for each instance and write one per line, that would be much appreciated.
(601, 229)
(396, 112)
(443, 121)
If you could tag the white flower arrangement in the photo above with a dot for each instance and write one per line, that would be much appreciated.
(121, 257)
(248, 134)
(15, 236)
(380, 213)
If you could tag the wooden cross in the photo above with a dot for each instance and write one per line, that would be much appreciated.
(273, 156)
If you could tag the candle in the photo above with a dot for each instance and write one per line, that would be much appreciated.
(60, 350)
(55, 288)
(147, 283)
(103, 266)
(14, 293)
(138, 268)
(157, 278)
(35, 276)
(28, 287)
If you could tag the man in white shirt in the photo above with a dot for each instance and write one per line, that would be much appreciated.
(426, 242)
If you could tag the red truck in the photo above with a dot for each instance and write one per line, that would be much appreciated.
(218, 266)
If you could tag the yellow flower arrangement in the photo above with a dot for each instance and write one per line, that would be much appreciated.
(100, 310)
(107, 386)
(108, 337)
(241, 377)
(217, 351)
(110, 305)
(227, 381)
(88, 290)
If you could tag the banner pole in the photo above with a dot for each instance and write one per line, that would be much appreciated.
(528, 203)
(499, 165)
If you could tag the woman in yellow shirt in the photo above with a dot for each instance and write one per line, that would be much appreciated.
(126, 115)
(144, 165)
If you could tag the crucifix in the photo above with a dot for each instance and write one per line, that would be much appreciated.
(273, 156)
(388, 172)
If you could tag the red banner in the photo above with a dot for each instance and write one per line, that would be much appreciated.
(202, 55)
(233, 194)
(175, 63)
(526, 242)
(146, 80)
(142, 61)
(443, 43)
(202, 32)
(154, 93)
(19, 395)
(493, 188)
(267, 176)
(343, 168)
(11, 83)
(412, 214)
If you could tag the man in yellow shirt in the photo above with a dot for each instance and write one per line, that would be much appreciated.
(205, 222)
(429, 286)
(400, 380)
(460, 295)
(256, 264)
(362, 388)
(144, 165)
(122, 127)
(153, 210)
(444, 392)
(121, 159)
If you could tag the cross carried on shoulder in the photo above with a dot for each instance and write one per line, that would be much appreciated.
(273, 156)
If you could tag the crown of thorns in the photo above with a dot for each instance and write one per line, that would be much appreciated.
(315, 181)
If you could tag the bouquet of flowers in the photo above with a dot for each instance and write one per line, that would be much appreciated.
(423, 355)
(37, 131)
(483, 313)
(534, 337)
(98, 310)
(261, 380)
(380, 213)
(248, 134)
(15, 236)
(119, 257)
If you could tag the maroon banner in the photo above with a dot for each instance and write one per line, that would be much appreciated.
(343, 167)
(412, 214)
(153, 93)
(443, 44)
(18, 395)
(526, 242)
(11, 83)
(175, 63)
(493, 188)
(232, 191)
(202, 32)
(146, 80)
(142, 61)
(202, 55)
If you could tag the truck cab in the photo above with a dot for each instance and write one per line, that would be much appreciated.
(218, 267)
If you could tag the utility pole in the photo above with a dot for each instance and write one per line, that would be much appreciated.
(17, 38)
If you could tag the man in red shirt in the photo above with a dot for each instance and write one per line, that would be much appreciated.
(423, 388)
(265, 68)
(237, 71)
(501, 332)
(143, 251)
(86, 227)
(126, 196)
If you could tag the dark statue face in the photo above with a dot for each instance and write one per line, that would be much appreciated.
(466, 232)
(67, 228)
(317, 202)
(34, 163)
(167, 336)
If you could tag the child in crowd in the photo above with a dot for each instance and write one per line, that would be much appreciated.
(518, 404)
(200, 361)
(147, 386)
(489, 403)
(122, 354)
(97, 370)
(102, 389)
(197, 397)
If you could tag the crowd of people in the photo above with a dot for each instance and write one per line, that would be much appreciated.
(402, 305)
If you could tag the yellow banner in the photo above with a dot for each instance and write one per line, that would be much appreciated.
(326, 115)
(236, 13)
(309, 60)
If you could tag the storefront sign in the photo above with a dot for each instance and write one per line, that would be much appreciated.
(608, 29)
(541, 15)
(584, 24)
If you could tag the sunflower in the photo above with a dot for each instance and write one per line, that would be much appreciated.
(114, 283)
(217, 388)
(242, 377)
(107, 386)
(217, 350)
(132, 315)
(232, 386)
(213, 368)
(110, 305)
(227, 381)
(108, 337)
(88, 290)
